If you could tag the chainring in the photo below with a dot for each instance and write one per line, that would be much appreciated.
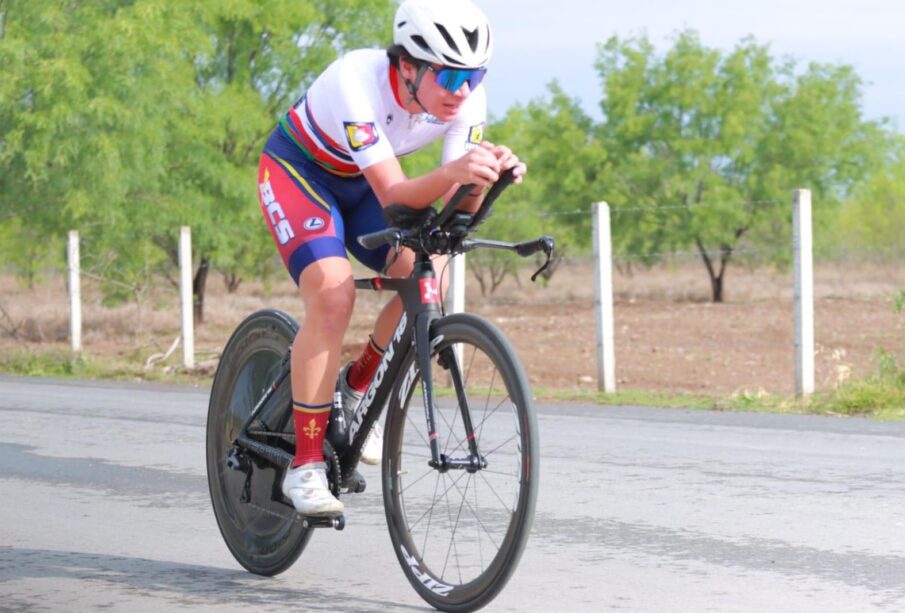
(334, 469)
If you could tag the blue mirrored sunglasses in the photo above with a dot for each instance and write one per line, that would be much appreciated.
(452, 79)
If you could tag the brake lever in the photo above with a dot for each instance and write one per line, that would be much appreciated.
(547, 245)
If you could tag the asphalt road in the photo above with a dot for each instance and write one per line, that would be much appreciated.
(104, 505)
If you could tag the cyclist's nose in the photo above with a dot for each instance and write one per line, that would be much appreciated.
(463, 91)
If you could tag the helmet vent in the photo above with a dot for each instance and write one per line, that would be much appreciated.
(419, 40)
(449, 39)
(472, 37)
(451, 61)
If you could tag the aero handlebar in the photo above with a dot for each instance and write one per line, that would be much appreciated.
(393, 235)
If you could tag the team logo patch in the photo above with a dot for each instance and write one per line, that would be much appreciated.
(361, 135)
(430, 292)
(313, 223)
(476, 134)
(281, 227)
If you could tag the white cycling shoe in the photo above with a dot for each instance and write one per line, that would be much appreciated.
(372, 451)
(306, 486)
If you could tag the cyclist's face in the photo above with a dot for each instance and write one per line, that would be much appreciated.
(438, 100)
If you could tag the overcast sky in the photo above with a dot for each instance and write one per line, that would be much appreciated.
(539, 40)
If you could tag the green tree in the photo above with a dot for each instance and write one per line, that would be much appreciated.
(127, 119)
(703, 137)
(80, 111)
(873, 220)
(565, 161)
(256, 68)
(554, 137)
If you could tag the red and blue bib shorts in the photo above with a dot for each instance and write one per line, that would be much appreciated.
(313, 213)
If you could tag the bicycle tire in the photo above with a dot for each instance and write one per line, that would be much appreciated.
(463, 585)
(263, 534)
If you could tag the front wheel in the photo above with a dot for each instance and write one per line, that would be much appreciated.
(459, 534)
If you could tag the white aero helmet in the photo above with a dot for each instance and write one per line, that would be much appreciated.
(452, 33)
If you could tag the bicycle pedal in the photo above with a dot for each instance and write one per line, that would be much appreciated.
(337, 522)
(355, 484)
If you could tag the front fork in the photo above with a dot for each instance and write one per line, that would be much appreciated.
(447, 359)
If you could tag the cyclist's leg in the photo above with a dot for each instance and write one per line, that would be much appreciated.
(328, 291)
(308, 230)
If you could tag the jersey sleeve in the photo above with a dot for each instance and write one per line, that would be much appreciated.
(356, 119)
(466, 131)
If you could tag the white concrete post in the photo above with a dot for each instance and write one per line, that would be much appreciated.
(802, 242)
(455, 303)
(603, 302)
(185, 293)
(75, 292)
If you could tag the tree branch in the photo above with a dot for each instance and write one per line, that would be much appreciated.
(12, 329)
(705, 256)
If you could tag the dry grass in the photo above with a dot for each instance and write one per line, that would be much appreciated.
(669, 337)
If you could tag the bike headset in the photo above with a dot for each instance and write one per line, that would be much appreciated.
(452, 33)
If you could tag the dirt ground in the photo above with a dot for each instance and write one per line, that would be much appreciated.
(669, 337)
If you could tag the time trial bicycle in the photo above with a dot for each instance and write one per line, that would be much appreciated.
(461, 453)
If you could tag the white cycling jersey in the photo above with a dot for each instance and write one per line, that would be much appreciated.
(351, 117)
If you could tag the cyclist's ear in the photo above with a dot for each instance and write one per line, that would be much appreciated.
(408, 67)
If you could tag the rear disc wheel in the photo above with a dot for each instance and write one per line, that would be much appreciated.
(264, 534)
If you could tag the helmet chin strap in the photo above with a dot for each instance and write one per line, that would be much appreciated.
(412, 87)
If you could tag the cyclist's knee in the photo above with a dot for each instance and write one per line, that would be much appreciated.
(328, 291)
(401, 265)
(331, 308)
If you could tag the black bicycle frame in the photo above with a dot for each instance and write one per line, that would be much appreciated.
(421, 307)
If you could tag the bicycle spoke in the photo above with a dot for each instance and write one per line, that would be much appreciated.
(451, 429)
(415, 482)
(417, 430)
(430, 517)
(452, 536)
(433, 504)
(481, 523)
(493, 489)
(487, 402)
(491, 452)
(463, 442)
(474, 352)
(478, 531)
(498, 472)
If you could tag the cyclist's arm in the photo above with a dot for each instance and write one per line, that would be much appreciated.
(479, 166)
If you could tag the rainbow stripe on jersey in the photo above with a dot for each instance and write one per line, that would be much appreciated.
(299, 126)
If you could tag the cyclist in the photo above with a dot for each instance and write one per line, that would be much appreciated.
(327, 170)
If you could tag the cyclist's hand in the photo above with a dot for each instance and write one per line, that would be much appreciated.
(479, 166)
(507, 160)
